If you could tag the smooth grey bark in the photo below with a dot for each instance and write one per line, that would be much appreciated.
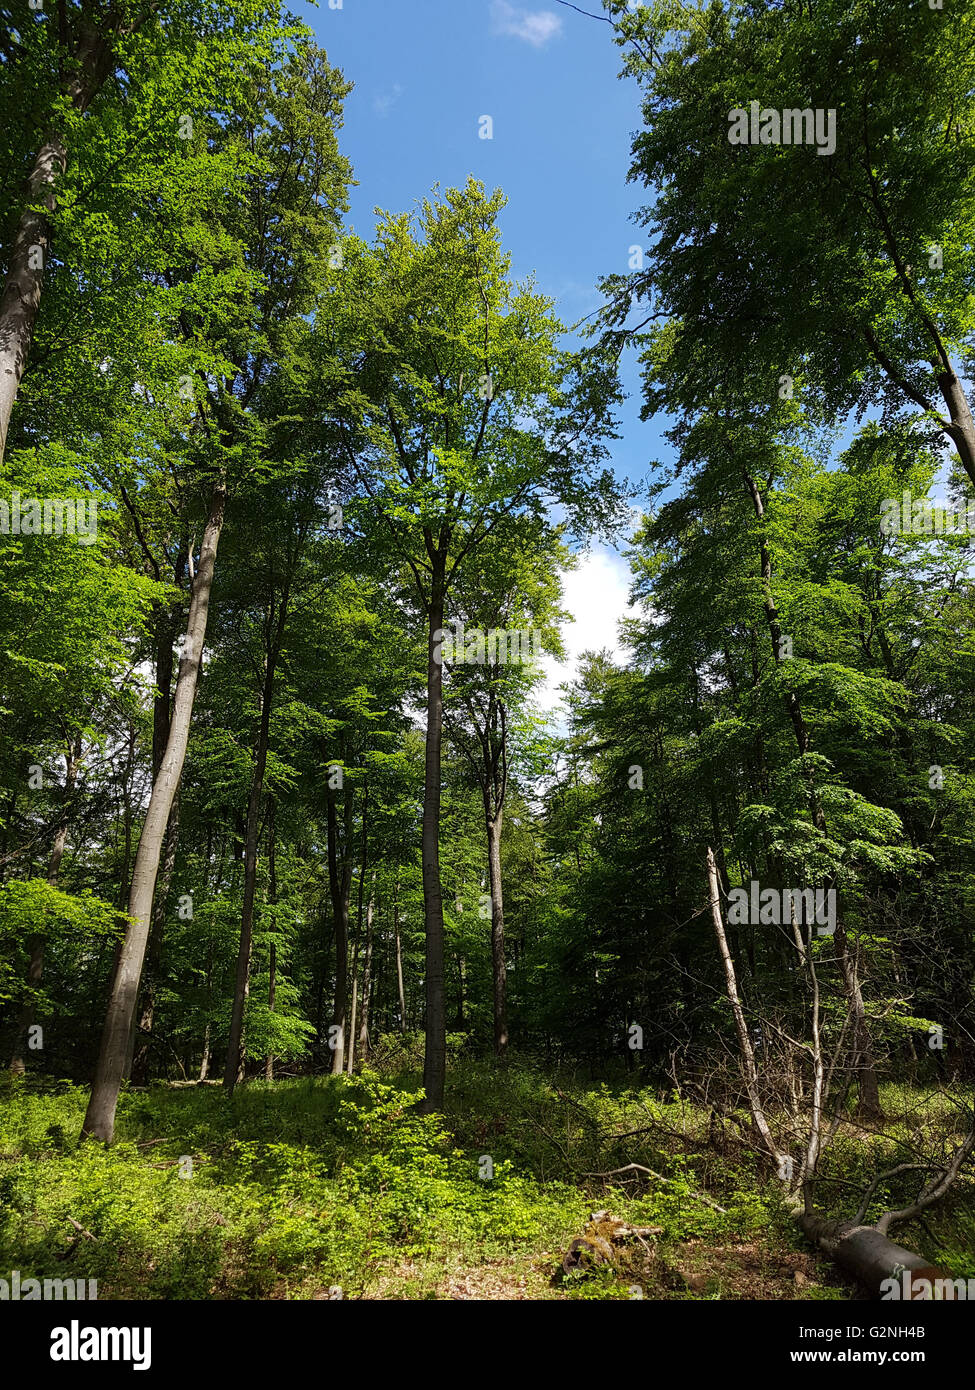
(867, 1252)
(340, 885)
(961, 427)
(498, 969)
(864, 1253)
(272, 898)
(234, 1069)
(367, 977)
(167, 631)
(118, 1034)
(399, 959)
(350, 1059)
(147, 1014)
(435, 1054)
(489, 762)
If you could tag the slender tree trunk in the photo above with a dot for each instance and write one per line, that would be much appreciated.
(339, 887)
(435, 1054)
(868, 1098)
(236, 1056)
(399, 959)
(117, 1037)
(741, 1027)
(367, 976)
(205, 1060)
(140, 1064)
(350, 1061)
(162, 705)
(497, 935)
(272, 897)
(161, 717)
(35, 969)
(127, 780)
(460, 1022)
(326, 951)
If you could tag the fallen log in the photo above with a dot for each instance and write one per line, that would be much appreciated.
(883, 1268)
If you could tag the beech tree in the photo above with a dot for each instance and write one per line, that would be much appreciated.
(509, 596)
(878, 232)
(104, 95)
(463, 412)
(286, 210)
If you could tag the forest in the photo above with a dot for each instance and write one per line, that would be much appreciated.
(335, 963)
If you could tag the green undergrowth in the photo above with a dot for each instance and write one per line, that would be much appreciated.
(297, 1188)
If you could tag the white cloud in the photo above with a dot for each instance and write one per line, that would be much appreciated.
(534, 26)
(595, 593)
(383, 103)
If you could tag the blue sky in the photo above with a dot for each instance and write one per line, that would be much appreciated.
(425, 72)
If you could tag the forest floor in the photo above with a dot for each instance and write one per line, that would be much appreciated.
(312, 1188)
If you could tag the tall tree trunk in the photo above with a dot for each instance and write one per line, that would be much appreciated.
(166, 632)
(205, 1059)
(738, 1013)
(350, 1060)
(147, 1015)
(326, 951)
(367, 976)
(35, 969)
(497, 933)
(118, 1034)
(272, 898)
(162, 705)
(399, 959)
(86, 59)
(340, 885)
(21, 297)
(234, 1069)
(435, 1053)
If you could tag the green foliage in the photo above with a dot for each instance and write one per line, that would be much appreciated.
(32, 908)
